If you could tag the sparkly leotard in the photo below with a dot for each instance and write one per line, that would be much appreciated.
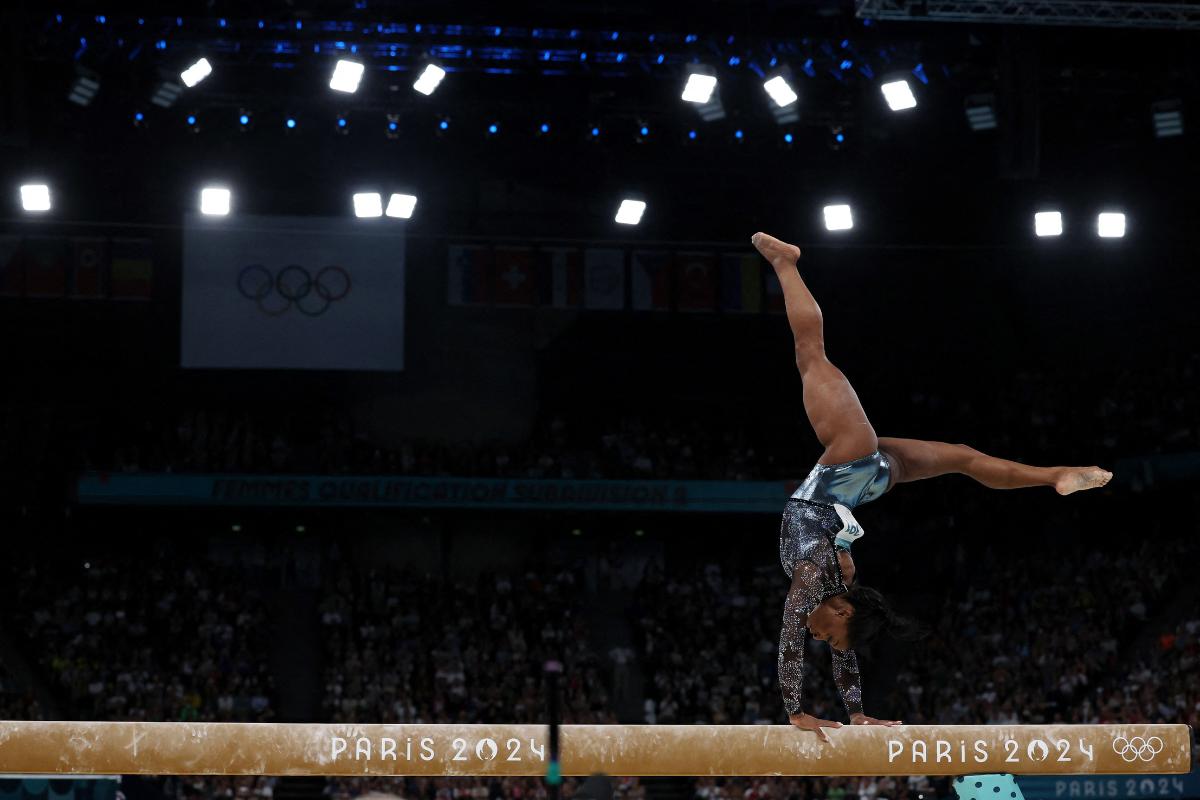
(808, 553)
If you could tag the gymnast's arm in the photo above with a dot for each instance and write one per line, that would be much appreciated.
(849, 684)
(802, 598)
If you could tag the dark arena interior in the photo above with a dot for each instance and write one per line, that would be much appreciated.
(392, 372)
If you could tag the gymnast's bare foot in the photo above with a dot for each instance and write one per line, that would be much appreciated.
(777, 252)
(1076, 479)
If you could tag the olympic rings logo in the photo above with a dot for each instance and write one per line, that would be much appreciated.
(275, 294)
(1131, 749)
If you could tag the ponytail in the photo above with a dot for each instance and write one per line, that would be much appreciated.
(874, 615)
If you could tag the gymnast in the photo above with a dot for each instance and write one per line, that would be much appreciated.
(856, 467)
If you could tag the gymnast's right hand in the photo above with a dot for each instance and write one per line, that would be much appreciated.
(808, 722)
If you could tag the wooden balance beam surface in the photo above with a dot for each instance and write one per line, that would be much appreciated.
(185, 748)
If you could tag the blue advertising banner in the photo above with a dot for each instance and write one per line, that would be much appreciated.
(1115, 787)
(411, 492)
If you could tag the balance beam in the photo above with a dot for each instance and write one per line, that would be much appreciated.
(186, 748)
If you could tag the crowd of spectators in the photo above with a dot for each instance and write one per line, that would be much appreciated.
(138, 638)
(1131, 411)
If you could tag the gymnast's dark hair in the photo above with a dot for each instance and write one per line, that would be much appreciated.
(874, 615)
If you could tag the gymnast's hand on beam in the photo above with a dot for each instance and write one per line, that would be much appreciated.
(808, 722)
(863, 719)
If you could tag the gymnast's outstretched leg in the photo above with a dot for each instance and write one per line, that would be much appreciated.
(842, 427)
(833, 408)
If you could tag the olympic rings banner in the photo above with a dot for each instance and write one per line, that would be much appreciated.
(400, 492)
(292, 293)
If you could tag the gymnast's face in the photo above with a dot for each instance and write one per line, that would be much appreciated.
(829, 622)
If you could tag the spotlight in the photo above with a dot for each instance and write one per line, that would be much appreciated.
(1048, 223)
(837, 137)
(1110, 225)
(215, 201)
(166, 93)
(139, 119)
(401, 206)
(781, 91)
(85, 87)
(1168, 118)
(244, 120)
(691, 135)
(196, 73)
(193, 123)
(838, 218)
(342, 124)
(981, 112)
(788, 139)
(700, 86)
(393, 126)
(35, 197)
(544, 129)
(899, 95)
(783, 106)
(290, 123)
(493, 129)
(739, 135)
(630, 212)
(368, 204)
(443, 125)
(643, 133)
(429, 79)
(594, 132)
(346, 76)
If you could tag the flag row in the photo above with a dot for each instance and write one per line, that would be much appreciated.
(85, 268)
(610, 279)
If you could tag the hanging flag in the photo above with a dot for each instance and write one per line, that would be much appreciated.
(514, 281)
(604, 274)
(12, 272)
(741, 283)
(468, 279)
(774, 291)
(45, 262)
(650, 280)
(89, 265)
(561, 273)
(696, 281)
(132, 269)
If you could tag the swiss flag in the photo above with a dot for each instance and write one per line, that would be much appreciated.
(513, 281)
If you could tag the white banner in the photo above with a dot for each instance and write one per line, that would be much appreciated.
(293, 293)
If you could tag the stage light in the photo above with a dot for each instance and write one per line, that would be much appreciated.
(595, 132)
(244, 120)
(290, 123)
(788, 138)
(1110, 225)
(166, 93)
(342, 124)
(35, 197)
(139, 119)
(699, 87)
(493, 129)
(393, 126)
(191, 119)
(838, 218)
(196, 73)
(346, 76)
(1168, 118)
(692, 135)
(368, 204)
(215, 201)
(644, 130)
(401, 206)
(429, 79)
(544, 128)
(443, 124)
(1048, 223)
(630, 212)
(85, 87)
(781, 91)
(739, 134)
(981, 112)
(899, 95)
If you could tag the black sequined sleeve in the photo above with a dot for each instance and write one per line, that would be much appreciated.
(802, 598)
(845, 675)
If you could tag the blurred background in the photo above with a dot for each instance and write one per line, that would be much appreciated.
(339, 400)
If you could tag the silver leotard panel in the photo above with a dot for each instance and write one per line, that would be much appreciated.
(851, 483)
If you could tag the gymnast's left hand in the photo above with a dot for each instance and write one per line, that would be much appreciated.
(863, 719)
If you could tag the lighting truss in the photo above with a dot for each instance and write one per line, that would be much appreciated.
(1101, 13)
